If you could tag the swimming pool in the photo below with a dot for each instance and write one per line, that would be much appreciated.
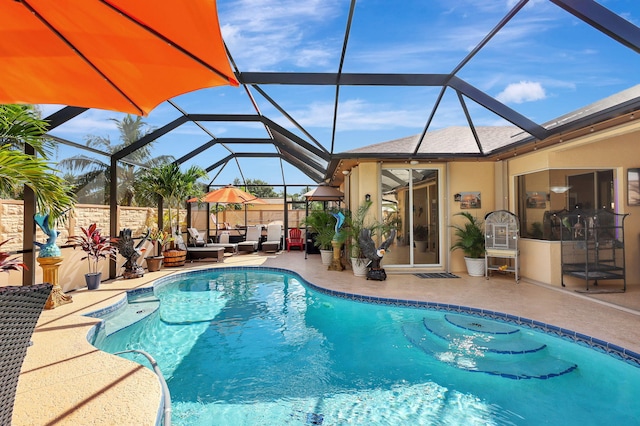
(256, 346)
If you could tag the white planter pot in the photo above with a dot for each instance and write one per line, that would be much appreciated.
(421, 246)
(326, 256)
(359, 266)
(475, 266)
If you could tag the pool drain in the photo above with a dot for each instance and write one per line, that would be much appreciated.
(314, 419)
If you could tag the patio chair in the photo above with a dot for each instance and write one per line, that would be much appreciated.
(295, 239)
(219, 226)
(195, 239)
(274, 236)
(252, 239)
(223, 241)
(20, 308)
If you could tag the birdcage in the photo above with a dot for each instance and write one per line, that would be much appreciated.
(592, 249)
(502, 231)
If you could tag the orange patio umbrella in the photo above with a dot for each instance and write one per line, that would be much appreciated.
(228, 195)
(120, 55)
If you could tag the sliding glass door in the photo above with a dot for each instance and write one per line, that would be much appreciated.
(411, 203)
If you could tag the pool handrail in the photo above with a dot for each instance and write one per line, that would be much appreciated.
(163, 383)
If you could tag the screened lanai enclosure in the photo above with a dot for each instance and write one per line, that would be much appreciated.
(325, 86)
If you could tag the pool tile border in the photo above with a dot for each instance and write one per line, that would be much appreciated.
(614, 350)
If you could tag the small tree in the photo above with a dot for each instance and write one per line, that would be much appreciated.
(173, 186)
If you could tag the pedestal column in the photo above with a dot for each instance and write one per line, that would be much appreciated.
(336, 263)
(50, 266)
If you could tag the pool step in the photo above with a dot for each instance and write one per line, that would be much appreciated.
(478, 345)
(494, 337)
(129, 314)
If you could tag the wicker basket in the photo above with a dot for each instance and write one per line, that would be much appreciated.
(174, 258)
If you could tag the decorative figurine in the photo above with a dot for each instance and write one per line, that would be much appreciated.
(48, 249)
(375, 272)
(124, 243)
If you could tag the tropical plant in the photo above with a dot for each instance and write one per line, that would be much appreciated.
(470, 236)
(420, 233)
(173, 185)
(355, 223)
(322, 223)
(93, 183)
(257, 187)
(159, 239)
(20, 126)
(9, 264)
(96, 246)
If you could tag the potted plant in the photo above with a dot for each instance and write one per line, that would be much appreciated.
(420, 237)
(159, 239)
(470, 239)
(97, 248)
(322, 224)
(173, 186)
(354, 224)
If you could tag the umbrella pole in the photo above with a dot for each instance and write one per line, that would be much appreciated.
(306, 229)
(216, 224)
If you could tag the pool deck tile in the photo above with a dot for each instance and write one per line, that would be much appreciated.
(66, 381)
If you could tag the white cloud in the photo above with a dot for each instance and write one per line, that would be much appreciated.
(277, 31)
(356, 114)
(524, 91)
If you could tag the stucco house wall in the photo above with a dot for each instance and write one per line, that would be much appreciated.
(614, 148)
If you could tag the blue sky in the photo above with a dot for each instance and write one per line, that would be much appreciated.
(543, 64)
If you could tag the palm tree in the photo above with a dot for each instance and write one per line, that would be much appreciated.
(94, 180)
(21, 125)
(174, 186)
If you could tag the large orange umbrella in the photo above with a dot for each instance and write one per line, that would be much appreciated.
(121, 55)
(229, 195)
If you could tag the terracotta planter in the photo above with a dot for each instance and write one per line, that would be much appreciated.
(154, 263)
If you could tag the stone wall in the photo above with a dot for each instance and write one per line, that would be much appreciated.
(12, 224)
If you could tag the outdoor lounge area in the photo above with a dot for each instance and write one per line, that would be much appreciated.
(209, 136)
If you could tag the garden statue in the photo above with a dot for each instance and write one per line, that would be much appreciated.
(375, 272)
(48, 249)
(336, 243)
(339, 221)
(124, 243)
(50, 258)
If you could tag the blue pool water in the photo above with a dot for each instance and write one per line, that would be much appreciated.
(257, 347)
